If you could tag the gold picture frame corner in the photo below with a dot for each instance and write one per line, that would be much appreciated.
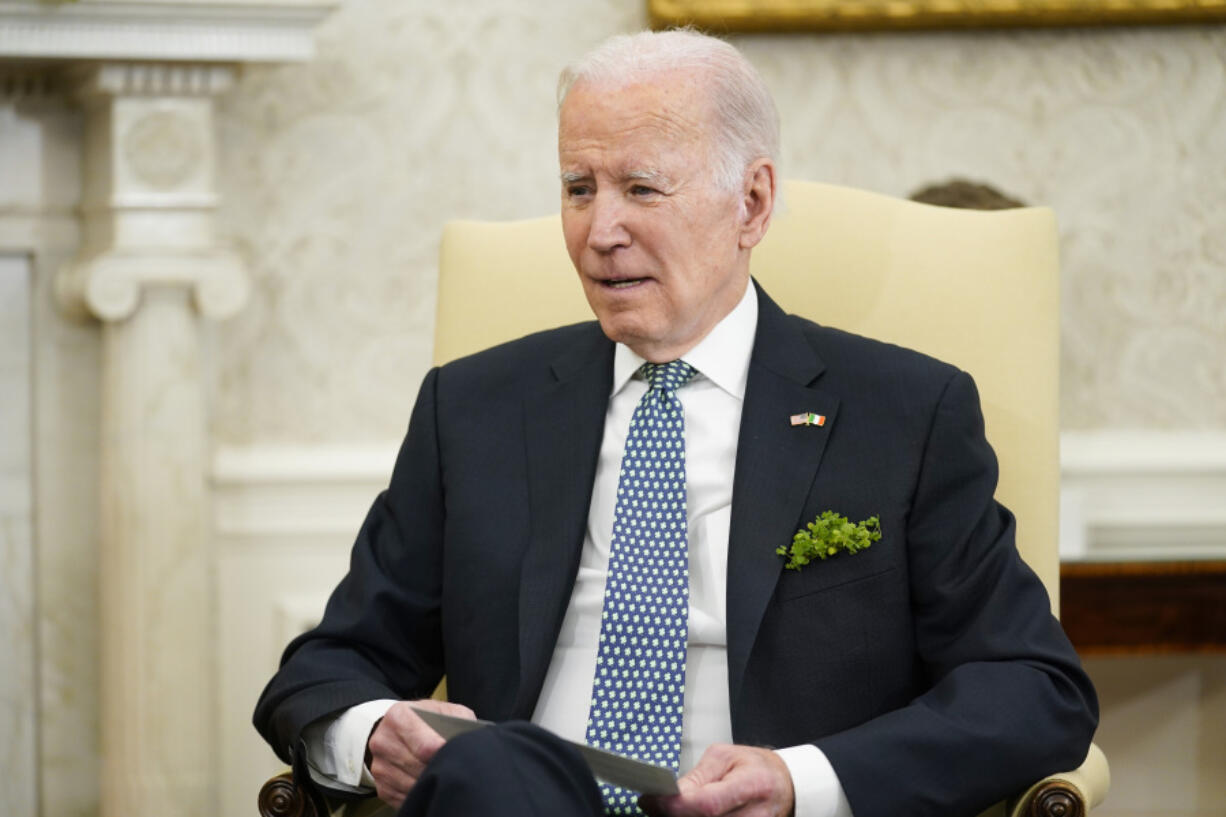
(754, 16)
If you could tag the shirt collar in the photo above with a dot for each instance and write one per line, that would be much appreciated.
(722, 356)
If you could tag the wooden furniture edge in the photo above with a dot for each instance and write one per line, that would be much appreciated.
(281, 797)
(1119, 608)
(1056, 798)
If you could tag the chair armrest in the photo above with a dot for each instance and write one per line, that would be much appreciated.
(280, 796)
(1067, 794)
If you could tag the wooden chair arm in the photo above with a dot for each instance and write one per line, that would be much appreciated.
(1068, 794)
(281, 797)
(1055, 798)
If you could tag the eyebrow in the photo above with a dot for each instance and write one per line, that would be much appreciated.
(652, 176)
(655, 177)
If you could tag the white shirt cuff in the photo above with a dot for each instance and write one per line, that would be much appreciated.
(816, 787)
(336, 747)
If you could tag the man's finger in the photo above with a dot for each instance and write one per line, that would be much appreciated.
(714, 764)
(397, 773)
(445, 708)
(409, 741)
(401, 744)
(391, 794)
(395, 747)
(737, 781)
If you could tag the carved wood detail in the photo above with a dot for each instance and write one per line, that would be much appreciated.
(1056, 799)
(279, 797)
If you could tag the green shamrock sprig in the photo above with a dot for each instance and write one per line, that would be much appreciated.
(827, 535)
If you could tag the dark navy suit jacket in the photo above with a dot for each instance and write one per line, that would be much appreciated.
(928, 667)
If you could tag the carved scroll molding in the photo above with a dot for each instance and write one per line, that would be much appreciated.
(149, 193)
(109, 285)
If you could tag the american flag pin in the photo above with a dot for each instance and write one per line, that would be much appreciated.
(808, 419)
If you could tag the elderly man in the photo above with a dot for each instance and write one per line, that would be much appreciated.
(581, 528)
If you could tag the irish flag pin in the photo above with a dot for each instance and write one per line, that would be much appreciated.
(808, 419)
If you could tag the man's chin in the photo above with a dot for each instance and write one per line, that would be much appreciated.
(618, 332)
(621, 322)
(651, 347)
(624, 332)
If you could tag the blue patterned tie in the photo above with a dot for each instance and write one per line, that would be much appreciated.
(640, 667)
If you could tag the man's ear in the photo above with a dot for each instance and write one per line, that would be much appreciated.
(758, 201)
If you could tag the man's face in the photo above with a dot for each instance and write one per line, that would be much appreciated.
(657, 245)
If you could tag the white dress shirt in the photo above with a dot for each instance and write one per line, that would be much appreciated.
(711, 403)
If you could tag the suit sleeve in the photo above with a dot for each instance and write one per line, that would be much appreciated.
(380, 633)
(1007, 701)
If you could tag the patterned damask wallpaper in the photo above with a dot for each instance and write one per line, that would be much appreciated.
(339, 174)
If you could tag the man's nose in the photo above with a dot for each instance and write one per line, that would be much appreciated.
(608, 227)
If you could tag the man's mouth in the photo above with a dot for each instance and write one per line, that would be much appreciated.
(623, 283)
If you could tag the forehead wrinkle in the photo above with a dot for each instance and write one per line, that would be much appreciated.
(671, 115)
(684, 94)
(662, 129)
(642, 143)
(633, 132)
(647, 175)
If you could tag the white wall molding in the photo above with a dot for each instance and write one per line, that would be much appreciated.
(280, 491)
(1143, 494)
(1125, 494)
(193, 30)
(264, 464)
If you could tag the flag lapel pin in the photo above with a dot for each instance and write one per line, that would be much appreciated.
(808, 419)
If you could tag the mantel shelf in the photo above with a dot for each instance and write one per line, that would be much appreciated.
(1144, 607)
(164, 30)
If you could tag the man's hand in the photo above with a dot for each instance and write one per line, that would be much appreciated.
(401, 744)
(730, 780)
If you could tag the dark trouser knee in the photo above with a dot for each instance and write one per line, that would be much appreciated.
(507, 770)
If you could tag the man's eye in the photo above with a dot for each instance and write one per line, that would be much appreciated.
(578, 190)
(641, 190)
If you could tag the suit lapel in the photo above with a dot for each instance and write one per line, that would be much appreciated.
(775, 468)
(776, 464)
(563, 425)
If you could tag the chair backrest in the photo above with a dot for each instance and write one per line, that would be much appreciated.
(977, 289)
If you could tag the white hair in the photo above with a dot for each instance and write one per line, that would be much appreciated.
(748, 122)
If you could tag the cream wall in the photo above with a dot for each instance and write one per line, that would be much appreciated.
(340, 174)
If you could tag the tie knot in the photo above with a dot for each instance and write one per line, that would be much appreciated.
(668, 376)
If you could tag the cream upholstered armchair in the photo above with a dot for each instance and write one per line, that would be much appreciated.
(977, 289)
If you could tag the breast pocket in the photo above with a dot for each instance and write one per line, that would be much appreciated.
(840, 571)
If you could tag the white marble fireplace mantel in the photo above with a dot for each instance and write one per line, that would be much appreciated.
(108, 154)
